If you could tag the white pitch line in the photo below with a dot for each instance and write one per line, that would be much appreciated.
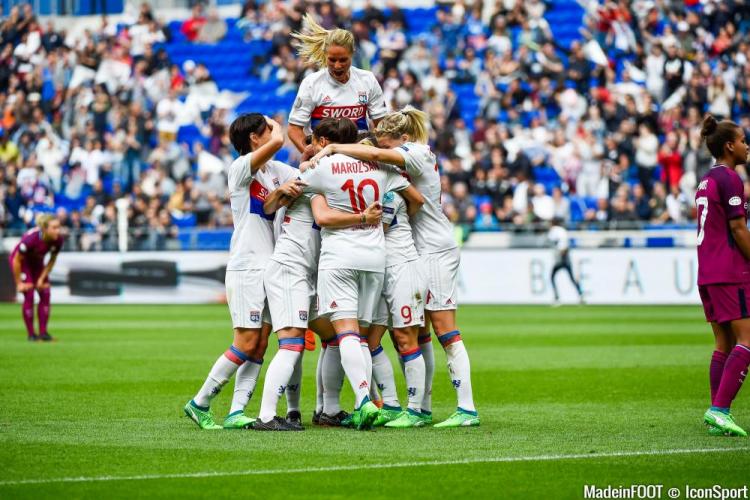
(396, 465)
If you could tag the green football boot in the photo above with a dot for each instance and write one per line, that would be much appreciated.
(461, 418)
(387, 414)
(238, 420)
(426, 417)
(406, 419)
(715, 431)
(201, 416)
(723, 421)
(366, 415)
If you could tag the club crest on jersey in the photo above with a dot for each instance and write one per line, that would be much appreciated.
(326, 100)
(735, 201)
(303, 315)
(254, 316)
(363, 98)
(276, 182)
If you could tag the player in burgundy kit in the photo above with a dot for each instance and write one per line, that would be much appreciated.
(30, 272)
(724, 269)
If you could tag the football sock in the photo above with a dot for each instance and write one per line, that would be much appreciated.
(459, 368)
(428, 354)
(278, 375)
(333, 379)
(735, 371)
(244, 383)
(294, 387)
(28, 311)
(43, 310)
(382, 374)
(319, 378)
(717, 368)
(220, 373)
(354, 365)
(367, 358)
(414, 367)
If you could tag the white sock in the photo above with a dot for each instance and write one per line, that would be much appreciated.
(428, 354)
(414, 368)
(459, 368)
(367, 358)
(294, 387)
(319, 380)
(354, 366)
(382, 374)
(278, 375)
(220, 373)
(333, 379)
(244, 384)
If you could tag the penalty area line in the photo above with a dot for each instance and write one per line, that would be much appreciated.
(395, 465)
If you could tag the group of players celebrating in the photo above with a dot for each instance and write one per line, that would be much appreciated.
(361, 247)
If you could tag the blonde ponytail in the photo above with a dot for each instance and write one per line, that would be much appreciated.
(409, 121)
(314, 40)
(43, 220)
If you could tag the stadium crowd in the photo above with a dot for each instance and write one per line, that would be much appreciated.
(604, 131)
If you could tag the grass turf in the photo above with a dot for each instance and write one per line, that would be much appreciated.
(106, 402)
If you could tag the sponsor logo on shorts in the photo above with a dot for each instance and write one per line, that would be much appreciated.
(449, 302)
(334, 305)
(735, 201)
(254, 316)
(303, 315)
(363, 385)
(429, 296)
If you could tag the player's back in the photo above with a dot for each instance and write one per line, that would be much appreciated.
(720, 198)
(299, 240)
(433, 231)
(351, 185)
(399, 242)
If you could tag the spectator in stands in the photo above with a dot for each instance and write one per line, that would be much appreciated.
(191, 28)
(214, 28)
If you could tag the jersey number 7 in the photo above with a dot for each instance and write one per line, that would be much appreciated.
(701, 202)
(357, 198)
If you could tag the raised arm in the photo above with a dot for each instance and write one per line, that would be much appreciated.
(296, 134)
(413, 198)
(330, 218)
(363, 152)
(266, 151)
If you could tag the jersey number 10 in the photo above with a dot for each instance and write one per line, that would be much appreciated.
(357, 198)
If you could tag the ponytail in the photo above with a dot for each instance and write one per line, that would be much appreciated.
(409, 121)
(717, 134)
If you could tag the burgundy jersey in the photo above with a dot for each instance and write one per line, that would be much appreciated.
(720, 198)
(33, 248)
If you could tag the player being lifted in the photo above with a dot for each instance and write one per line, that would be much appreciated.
(30, 272)
(250, 177)
(352, 259)
(724, 268)
(403, 137)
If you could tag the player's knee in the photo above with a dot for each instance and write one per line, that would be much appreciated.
(405, 339)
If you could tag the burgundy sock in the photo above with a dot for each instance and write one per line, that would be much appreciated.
(735, 371)
(43, 310)
(28, 311)
(714, 374)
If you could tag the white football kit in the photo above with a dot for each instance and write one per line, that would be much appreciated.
(405, 283)
(252, 241)
(433, 232)
(321, 96)
(352, 259)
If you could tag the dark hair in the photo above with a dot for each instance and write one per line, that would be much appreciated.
(367, 137)
(242, 127)
(717, 134)
(337, 130)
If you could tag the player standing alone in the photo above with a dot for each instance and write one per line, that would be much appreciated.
(724, 268)
(558, 235)
(30, 273)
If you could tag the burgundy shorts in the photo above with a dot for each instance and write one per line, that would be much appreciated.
(29, 273)
(728, 302)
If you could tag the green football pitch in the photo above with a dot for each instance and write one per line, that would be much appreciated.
(568, 397)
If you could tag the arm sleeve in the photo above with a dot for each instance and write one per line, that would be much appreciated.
(391, 203)
(375, 102)
(241, 172)
(288, 173)
(395, 181)
(303, 105)
(411, 163)
(312, 179)
(733, 197)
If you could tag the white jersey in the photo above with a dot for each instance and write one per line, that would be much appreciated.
(432, 230)
(252, 239)
(559, 237)
(299, 240)
(321, 96)
(351, 185)
(399, 242)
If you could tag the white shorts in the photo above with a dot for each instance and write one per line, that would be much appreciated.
(349, 294)
(442, 279)
(291, 295)
(404, 293)
(246, 298)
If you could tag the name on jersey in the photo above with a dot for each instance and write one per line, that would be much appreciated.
(703, 185)
(352, 167)
(351, 112)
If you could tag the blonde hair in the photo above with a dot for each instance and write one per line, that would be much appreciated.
(43, 220)
(409, 121)
(314, 40)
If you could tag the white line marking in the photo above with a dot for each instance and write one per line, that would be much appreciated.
(396, 465)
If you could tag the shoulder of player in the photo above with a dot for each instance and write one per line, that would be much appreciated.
(362, 74)
(313, 78)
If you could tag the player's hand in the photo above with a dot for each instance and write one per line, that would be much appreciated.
(292, 188)
(326, 151)
(41, 284)
(273, 125)
(373, 214)
(308, 152)
(24, 287)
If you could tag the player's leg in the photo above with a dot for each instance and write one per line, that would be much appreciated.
(27, 308)
(383, 377)
(332, 374)
(414, 371)
(43, 310)
(555, 269)
(428, 354)
(724, 341)
(576, 284)
(278, 376)
(374, 337)
(442, 273)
